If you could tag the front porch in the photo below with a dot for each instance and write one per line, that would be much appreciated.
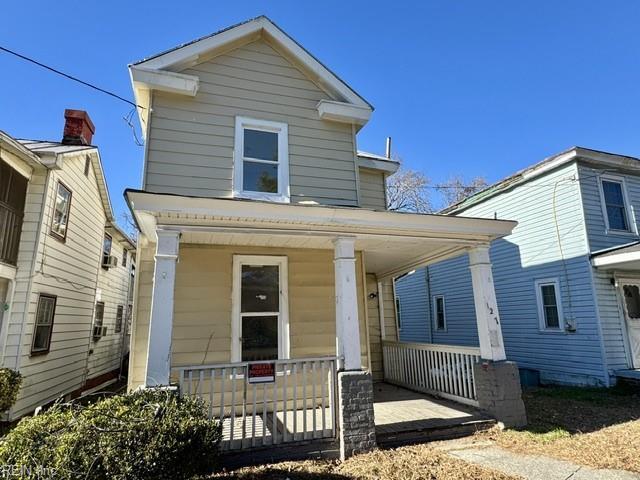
(305, 294)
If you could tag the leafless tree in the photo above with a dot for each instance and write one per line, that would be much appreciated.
(408, 191)
(129, 225)
(457, 188)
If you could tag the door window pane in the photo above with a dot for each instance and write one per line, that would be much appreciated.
(260, 145)
(260, 289)
(632, 300)
(260, 177)
(259, 338)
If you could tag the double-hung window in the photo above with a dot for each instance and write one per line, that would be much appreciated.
(439, 313)
(106, 249)
(61, 209)
(44, 324)
(260, 328)
(119, 315)
(549, 306)
(615, 206)
(261, 160)
(98, 330)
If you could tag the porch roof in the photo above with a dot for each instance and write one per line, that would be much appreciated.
(623, 257)
(392, 242)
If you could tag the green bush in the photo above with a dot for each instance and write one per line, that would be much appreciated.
(10, 382)
(143, 435)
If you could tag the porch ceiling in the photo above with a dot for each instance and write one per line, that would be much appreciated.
(392, 242)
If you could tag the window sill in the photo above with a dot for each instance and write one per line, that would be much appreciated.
(552, 331)
(266, 197)
(38, 354)
(621, 233)
(58, 237)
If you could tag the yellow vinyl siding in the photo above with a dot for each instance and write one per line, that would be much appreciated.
(372, 189)
(191, 140)
(68, 270)
(202, 310)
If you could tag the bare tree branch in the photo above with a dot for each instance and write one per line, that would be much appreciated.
(457, 188)
(407, 191)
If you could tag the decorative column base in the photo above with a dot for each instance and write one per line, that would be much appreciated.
(499, 392)
(355, 409)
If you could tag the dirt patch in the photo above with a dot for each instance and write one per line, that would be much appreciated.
(599, 428)
(414, 462)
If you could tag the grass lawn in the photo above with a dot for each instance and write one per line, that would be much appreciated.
(594, 427)
(412, 463)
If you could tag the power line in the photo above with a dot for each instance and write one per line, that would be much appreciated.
(70, 77)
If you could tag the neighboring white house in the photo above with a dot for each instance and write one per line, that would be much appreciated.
(55, 215)
(266, 254)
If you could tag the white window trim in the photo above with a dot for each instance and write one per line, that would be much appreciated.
(283, 194)
(542, 324)
(435, 313)
(633, 229)
(283, 317)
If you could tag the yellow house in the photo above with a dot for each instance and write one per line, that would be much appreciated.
(266, 256)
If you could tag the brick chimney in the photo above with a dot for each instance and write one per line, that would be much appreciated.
(78, 128)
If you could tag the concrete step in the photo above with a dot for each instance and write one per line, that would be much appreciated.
(430, 434)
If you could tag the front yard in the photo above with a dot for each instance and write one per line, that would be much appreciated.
(413, 462)
(594, 427)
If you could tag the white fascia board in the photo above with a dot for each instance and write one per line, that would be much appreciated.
(387, 166)
(612, 260)
(343, 112)
(164, 81)
(304, 217)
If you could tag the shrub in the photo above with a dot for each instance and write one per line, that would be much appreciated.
(143, 435)
(10, 382)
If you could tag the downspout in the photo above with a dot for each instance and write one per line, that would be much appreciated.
(427, 279)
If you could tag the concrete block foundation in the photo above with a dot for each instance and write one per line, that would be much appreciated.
(355, 412)
(499, 392)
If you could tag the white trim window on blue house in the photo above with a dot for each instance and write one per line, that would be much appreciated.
(261, 166)
(549, 308)
(615, 204)
(440, 313)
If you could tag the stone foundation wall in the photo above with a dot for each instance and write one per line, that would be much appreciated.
(356, 421)
(499, 392)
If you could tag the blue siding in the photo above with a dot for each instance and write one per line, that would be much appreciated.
(415, 315)
(611, 314)
(535, 250)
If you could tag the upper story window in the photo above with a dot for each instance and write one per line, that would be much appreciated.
(615, 205)
(549, 307)
(124, 258)
(106, 249)
(43, 327)
(61, 209)
(261, 163)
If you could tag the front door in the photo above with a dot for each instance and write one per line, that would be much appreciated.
(631, 297)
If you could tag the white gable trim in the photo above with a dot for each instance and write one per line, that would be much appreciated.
(194, 52)
(145, 78)
(343, 112)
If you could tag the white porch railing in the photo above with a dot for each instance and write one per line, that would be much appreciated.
(299, 405)
(443, 370)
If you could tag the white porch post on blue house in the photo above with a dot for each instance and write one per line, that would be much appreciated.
(484, 295)
(161, 322)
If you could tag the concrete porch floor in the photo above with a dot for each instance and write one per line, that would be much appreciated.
(403, 416)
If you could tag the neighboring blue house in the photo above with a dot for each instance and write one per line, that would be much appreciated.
(567, 279)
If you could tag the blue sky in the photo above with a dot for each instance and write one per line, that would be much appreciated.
(463, 87)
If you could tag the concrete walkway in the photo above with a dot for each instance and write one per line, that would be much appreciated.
(528, 466)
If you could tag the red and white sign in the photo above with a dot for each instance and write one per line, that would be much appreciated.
(261, 373)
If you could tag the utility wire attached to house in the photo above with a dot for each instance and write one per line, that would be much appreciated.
(128, 118)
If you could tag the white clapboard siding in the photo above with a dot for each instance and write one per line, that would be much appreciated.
(68, 270)
(191, 140)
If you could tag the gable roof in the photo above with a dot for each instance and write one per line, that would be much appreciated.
(51, 154)
(597, 157)
(161, 71)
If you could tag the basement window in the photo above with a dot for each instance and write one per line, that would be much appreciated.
(261, 160)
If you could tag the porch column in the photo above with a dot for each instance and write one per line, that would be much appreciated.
(497, 381)
(484, 295)
(161, 321)
(347, 323)
(355, 387)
